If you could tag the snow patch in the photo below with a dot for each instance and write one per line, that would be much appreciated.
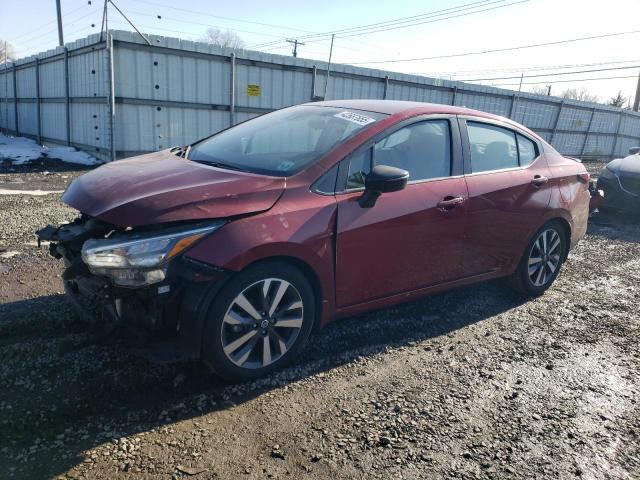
(20, 150)
(9, 254)
(5, 191)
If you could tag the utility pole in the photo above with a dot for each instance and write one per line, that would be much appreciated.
(295, 45)
(520, 86)
(636, 102)
(326, 84)
(548, 90)
(6, 89)
(60, 37)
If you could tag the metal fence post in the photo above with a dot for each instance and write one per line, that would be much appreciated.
(38, 101)
(555, 124)
(615, 143)
(6, 95)
(112, 98)
(15, 101)
(314, 72)
(586, 135)
(386, 87)
(66, 94)
(514, 99)
(455, 93)
(232, 102)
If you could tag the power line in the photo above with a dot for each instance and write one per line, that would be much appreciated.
(234, 19)
(37, 29)
(196, 12)
(412, 24)
(397, 21)
(190, 22)
(548, 74)
(162, 29)
(566, 81)
(523, 69)
(495, 50)
(438, 20)
(40, 35)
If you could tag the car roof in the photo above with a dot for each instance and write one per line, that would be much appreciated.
(392, 107)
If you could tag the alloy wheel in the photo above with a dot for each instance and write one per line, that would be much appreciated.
(544, 257)
(262, 323)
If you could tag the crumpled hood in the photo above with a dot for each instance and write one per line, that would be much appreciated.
(629, 165)
(162, 187)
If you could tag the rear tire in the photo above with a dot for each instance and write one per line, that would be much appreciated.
(541, 261)
(259, 322)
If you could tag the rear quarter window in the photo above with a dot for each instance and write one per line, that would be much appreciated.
(527, 150)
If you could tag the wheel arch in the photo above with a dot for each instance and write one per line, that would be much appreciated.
(566, 227)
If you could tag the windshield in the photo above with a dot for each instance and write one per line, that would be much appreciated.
(283, 142)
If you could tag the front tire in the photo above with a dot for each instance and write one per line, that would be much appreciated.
(259, 322)
(541, 261)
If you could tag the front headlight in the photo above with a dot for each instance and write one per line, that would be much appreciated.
(140, 259)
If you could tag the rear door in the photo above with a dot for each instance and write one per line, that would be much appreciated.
(509, 192)
(408, 239)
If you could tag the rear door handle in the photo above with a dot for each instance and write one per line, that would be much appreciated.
(539, 180)
(449, 203)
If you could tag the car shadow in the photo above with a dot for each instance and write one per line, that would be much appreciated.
(90, 394)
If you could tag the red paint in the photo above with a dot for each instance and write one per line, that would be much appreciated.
(402, 248)
(162, 187)
(397, 246)
(505, 209)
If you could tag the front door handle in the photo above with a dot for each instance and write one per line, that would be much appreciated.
(449, 203)
(539, 180)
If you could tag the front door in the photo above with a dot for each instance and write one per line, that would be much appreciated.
(409, 239)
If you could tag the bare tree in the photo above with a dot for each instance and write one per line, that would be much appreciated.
(539, 90)
(583, 95)
(6, 49)
(222, 38)
(618, 100)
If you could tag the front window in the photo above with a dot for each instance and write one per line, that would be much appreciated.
(283, 142)
(423, 149)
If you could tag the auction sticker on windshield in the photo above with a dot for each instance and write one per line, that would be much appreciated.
(358, 118)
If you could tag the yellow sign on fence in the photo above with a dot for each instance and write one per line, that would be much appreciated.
(253, 90)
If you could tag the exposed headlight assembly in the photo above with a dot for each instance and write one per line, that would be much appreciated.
(140, 259)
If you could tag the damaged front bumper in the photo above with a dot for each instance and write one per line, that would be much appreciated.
(159, 319)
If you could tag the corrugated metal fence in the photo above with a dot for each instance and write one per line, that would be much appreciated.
(118, 96)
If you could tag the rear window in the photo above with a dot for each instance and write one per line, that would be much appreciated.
(283, 142)
(492, 148)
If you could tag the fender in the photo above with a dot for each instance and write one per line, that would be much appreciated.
(306, 235)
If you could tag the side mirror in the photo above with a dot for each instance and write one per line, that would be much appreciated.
(382, 179)
(634, 150)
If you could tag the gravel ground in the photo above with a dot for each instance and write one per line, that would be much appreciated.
(475, 383)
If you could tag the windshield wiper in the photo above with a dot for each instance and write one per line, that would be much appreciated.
(226, 166)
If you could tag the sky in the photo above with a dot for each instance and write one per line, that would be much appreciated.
(452, 28)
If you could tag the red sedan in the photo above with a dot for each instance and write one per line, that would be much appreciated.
(234, 249)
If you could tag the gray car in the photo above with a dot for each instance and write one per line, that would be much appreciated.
(620, 182)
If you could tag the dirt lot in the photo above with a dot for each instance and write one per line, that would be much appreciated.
(476, 383)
